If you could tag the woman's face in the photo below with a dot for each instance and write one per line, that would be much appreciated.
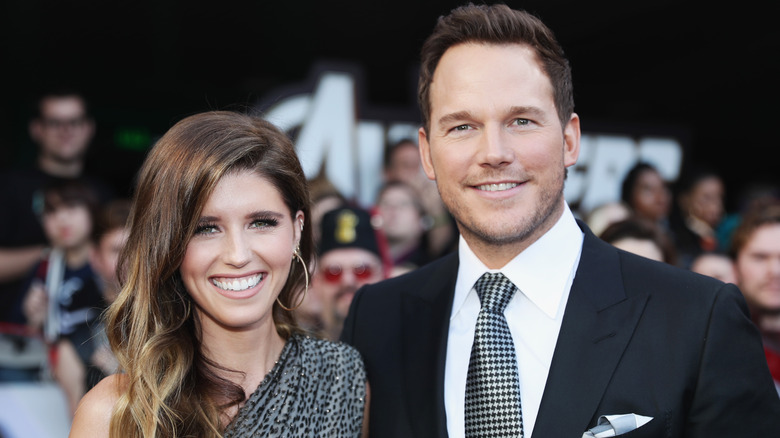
(239, 258)
(651, 197)
(705, 201)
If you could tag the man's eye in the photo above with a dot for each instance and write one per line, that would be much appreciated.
(521, 122)
(461, 128)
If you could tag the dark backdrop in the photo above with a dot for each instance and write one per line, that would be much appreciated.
(707, 72)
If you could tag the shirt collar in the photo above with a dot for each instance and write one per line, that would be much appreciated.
(543, 271)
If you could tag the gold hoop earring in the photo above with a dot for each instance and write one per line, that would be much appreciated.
(297, 254)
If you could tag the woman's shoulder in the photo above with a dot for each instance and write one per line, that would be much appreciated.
(327, 352)
(93, 415)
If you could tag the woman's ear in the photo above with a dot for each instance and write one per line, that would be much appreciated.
(298, 221)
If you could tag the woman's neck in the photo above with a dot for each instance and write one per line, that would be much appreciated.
(250, 353)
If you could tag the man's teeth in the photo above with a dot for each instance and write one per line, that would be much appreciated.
(497, 187)
(237, 284)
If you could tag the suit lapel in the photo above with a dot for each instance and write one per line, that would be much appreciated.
(596, 328)
(425, 315)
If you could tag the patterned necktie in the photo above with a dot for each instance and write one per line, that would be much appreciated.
(493, 382)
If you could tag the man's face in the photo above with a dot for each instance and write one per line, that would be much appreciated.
(340, 273)
(63, 132)
(496, 147)
(758, 269)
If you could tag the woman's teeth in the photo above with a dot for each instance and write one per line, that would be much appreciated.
(237, 284)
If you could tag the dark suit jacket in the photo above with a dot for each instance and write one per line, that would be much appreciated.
(637, 337)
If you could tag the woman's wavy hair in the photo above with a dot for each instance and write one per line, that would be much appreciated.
(172, 388)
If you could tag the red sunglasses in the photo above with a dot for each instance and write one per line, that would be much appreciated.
(361, 272)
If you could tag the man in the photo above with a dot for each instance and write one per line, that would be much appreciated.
(600, 338)
(756, 251)
(63, 129)
(350, 256)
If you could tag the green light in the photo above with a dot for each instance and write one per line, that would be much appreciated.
(133, 138)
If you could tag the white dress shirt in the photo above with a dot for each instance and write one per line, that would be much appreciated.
(543, 273)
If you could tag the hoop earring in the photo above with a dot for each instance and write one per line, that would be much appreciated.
(297, 254)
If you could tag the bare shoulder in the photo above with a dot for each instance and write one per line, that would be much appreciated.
(93, 415)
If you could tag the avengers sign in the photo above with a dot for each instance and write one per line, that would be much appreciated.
(333, 136)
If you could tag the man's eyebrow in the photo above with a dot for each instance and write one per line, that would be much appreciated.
(532, 110)
(453, 117)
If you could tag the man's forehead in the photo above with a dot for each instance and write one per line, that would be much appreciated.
(62, 104)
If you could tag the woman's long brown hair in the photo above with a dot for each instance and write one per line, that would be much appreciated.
(172, 389)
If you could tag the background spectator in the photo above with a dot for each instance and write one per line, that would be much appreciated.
(756, 252)
(109, 238)
(602, 216)
(647, 194)
(350, 256)
(402, 163)
(63, 298)
(62, 128)
(640, 236)
(716, 265)
(405, 225)
(697, 212)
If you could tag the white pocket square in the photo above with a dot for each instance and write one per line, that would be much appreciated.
(614, 425)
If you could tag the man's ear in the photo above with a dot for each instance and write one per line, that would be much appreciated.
(571, 140)
(425, 154)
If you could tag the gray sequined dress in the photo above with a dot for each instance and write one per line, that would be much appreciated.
(316, 389)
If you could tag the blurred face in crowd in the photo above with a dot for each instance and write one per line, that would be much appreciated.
(64, 130)
(106, 254)
(758, 269)
(651, 198)
(643, 247)
(705, 201)
(718, 266)
(340, 273)
(404, 163)
(401, 216)
(67, 226)
(496, 147)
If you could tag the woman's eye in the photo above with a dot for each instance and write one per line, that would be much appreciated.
(206, 229)
(264, 223)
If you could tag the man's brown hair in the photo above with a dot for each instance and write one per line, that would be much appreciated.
(496, 24)
(763, 212)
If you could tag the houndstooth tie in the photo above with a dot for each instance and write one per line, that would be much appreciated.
(493, 382)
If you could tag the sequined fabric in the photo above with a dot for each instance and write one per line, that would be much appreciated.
(316, 389)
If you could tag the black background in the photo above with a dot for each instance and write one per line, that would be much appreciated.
(706, 73)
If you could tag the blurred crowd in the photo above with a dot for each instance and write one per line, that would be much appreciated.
(61, 232)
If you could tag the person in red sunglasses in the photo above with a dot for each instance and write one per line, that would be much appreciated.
(349, 256)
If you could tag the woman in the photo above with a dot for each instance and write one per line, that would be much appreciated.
(697, 214)
(647, 194)
(213, 267)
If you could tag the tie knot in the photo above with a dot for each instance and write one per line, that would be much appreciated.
(494, 291)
